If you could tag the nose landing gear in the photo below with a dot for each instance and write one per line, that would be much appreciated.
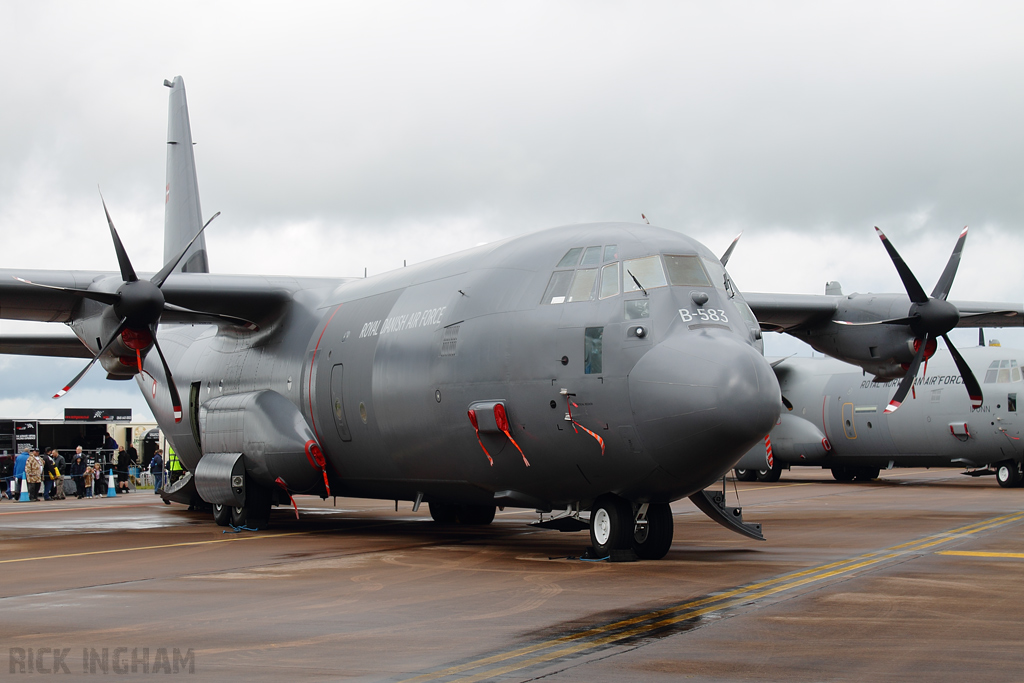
(615, 528)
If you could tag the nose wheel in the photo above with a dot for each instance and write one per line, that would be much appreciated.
(615, 526)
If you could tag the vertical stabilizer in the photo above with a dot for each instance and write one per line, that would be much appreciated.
(182, 215)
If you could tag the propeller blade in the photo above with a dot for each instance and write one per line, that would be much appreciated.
(785, 402)
(234, 320)
(125, 263)
(102, 297)
(910, 283)
(175, 399)
(72, 383)
(728, 252)
(941, 290)
(908, 380)
(169, 267)
(891, 321)
(970, 381)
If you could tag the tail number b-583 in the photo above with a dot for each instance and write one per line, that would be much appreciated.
(705, 315)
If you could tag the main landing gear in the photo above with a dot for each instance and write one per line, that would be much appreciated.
(254, 514)
(615, 525)
(851, 472)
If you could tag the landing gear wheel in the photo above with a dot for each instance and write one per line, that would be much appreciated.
(221, 514)
(843, 473)
(866, 473)
(745, 475)
(255, 514)
(443, 513)
(770, 475)
(652, 541)
(611, 525)
(477, 515)
(1008, 474)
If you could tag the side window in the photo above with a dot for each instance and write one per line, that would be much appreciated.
(993, 370)
(571, 258)
(592, 340)
(647, 271)
(640, 308)
(610, 280)
(558, 287)
(1011, 403)
(583, 285)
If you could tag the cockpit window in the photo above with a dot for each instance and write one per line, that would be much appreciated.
(571, 258)
(611, 252)
(583, 285)
(591, 257)
(647, 271)
(609, 280)
(1002, 372)
(558, 287)
(686, 271)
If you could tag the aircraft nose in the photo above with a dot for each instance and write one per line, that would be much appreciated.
(700, 401)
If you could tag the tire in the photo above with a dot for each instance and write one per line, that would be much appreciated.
(255, 514)
(443, 513)
(866, 473)
(1008, 474)
(653, 540)
(843, 473)
(477, 515)
(611, 525)
(774, 474)
(222, 514)
(745, 475)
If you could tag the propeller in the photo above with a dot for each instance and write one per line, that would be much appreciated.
(930, 317)
(138, 306)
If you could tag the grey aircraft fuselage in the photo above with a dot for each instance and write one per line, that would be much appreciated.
(838, 418)
(384, 370)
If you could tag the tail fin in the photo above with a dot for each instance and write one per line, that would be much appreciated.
(182, 215)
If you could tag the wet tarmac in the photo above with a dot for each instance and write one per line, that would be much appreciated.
(915, 576)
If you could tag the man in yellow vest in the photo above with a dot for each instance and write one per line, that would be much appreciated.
(174, 468)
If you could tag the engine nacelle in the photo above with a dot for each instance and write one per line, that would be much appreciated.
(795, 441)
(270, 433)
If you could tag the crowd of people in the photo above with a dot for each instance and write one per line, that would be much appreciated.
(51, 476)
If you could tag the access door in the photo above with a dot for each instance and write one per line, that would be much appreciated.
(338, 401)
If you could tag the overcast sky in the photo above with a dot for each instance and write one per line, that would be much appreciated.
(336, 136)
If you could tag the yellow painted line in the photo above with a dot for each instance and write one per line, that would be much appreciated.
(635, 626)
(780, 486)
(155, 547)
(979, 553)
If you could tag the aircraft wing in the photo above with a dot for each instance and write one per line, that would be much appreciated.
(989, 314)
(785, 312)
(43, 296)
(61, 346)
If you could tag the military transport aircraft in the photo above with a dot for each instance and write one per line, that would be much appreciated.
(608, 367)
(838, 421)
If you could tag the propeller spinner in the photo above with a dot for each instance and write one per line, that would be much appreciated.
(929, 318)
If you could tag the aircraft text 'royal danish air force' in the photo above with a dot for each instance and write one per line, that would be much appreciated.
(610, 368)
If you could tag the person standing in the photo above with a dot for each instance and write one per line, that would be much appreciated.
(19, 473)
(156, 469)
(34, 474)
(78, 475)
(122, 469)
(61, 466)
(88, 480)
